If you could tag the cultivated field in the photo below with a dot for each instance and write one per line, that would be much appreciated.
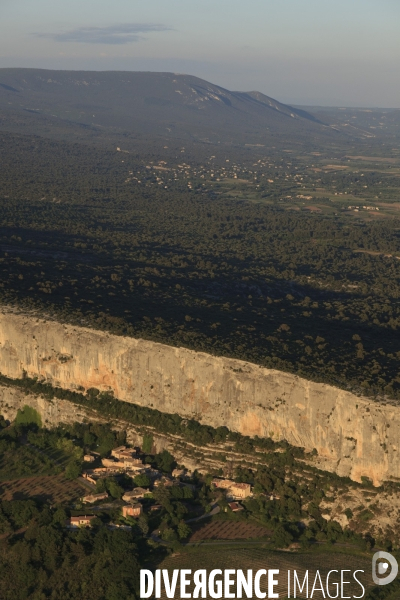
(55, 488)
(228, 530)
(209, 557)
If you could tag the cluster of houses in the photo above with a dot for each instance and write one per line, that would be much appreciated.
(260, 173)
(357, 208)
(127, 461)
(124, 461)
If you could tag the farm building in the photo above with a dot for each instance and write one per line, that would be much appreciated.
(91, 498)
(111, 462)
(164, 480)
(134, 510)
(123, 452)
(81, 521)
(134, 494)
(116, 452)
(132, 462)
(233, 489)
(89, 458)
(235, 506)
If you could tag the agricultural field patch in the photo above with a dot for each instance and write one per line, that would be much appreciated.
(56, 489)
(260, 558)
(229, 530)
(22, 461)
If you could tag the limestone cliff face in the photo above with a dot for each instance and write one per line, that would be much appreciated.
(353, 436)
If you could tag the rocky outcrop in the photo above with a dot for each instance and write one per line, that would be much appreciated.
(52, 412)
(353, 436)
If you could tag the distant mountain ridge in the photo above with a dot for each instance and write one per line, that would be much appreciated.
(169, 104)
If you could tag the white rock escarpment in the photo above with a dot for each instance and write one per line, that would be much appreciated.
(353, 436)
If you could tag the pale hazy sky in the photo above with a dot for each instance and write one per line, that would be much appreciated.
(343, 52)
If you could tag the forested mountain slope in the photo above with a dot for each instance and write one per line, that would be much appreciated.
(166, 104)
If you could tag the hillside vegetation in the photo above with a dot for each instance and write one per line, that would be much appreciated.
(167, 251)
(160, 104)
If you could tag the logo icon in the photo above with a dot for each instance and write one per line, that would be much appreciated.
(386, 560)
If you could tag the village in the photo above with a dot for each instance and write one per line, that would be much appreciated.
(260, 174)
(137, 500)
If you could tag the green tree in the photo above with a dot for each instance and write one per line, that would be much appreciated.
(115, 490)
(143, 524)
(60, 517)
(73, 470)
(281, 538)
(165, 461)
(183, 530)
(168, 534)
(141, 480)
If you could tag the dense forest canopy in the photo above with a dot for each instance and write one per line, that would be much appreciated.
(247, 253)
